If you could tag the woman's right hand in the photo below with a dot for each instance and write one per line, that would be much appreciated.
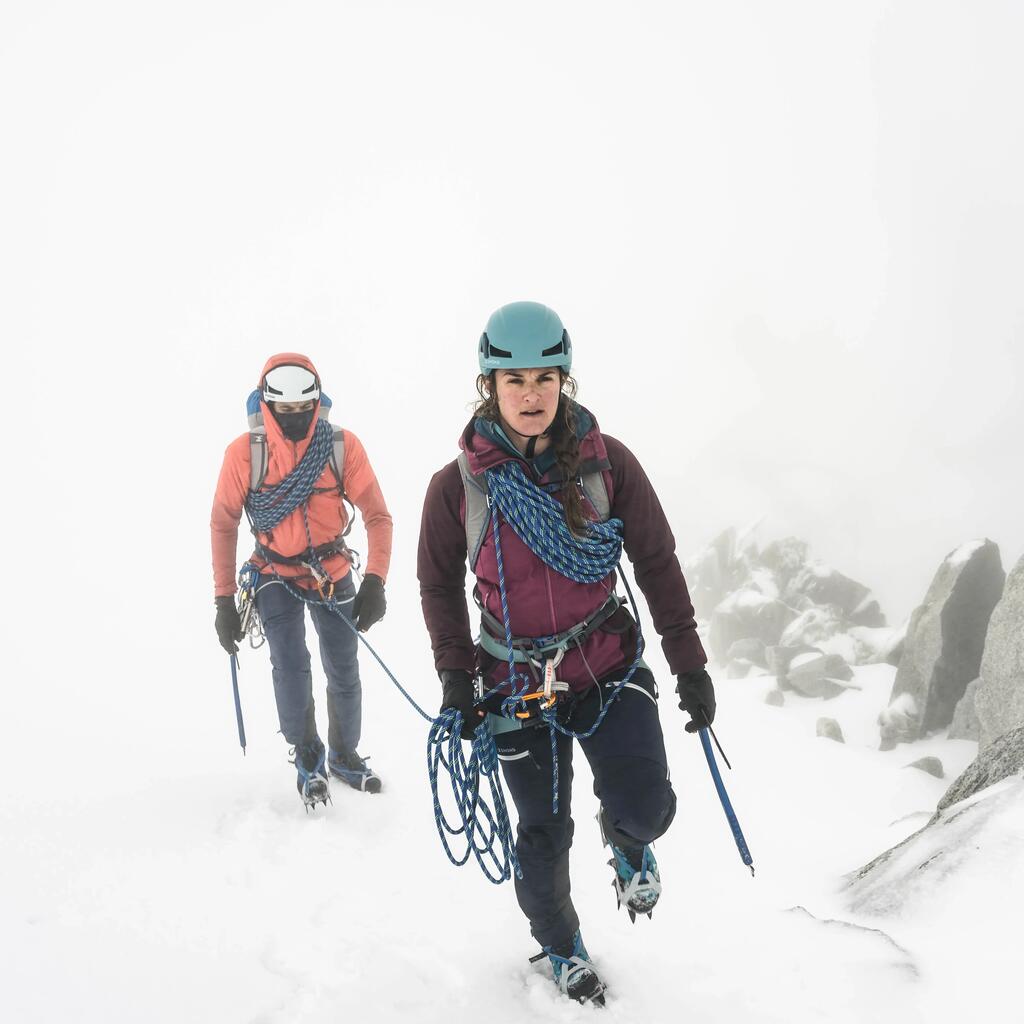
(460, 694)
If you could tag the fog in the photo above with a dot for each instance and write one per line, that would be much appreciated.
(787, 241)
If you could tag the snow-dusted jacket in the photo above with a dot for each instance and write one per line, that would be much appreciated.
(327, 513)
(541, 601)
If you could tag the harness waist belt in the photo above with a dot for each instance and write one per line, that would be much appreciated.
(524, 647)
(332, 547)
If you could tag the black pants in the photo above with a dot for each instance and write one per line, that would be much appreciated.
(627, 758)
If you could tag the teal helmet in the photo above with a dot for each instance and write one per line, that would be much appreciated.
(522, 335)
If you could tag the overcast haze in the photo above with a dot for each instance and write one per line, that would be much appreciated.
(787, 240)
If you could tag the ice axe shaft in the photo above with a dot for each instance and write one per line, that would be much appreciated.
(238, 702)
(730, 814)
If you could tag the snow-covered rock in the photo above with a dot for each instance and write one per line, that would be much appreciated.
(999, 700)
(945, 639)
(931, 765)
(812, 626)
(746, 614)
(1003, 758)
(829, 729)
(818, 675)
(874, 645)
(825, 586)
(750, 649)
(965, 860)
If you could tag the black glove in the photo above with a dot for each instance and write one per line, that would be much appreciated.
(369, 604)
(459, 693)
(697, 698)
(228, 624)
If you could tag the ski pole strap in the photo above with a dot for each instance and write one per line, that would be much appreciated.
(730, 814)
(238, 702)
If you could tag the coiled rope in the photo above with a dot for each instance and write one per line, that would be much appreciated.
(538, 519)
(484, 823)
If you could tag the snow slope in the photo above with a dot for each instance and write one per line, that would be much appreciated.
(195, 888)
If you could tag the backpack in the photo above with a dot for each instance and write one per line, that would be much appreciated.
(258, 443)
(478, 502)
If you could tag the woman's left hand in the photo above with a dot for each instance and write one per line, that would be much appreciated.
(697, 698)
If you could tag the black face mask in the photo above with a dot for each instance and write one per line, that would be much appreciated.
(295, 425)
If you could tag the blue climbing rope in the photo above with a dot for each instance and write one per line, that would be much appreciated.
(481, 819)
(538, 519)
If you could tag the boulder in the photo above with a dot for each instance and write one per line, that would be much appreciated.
(715, 571)
(931, 765)
(812, 626)
(823, 585)
(749, 649)
(808, 675)
(897, 722)
(965, 725)
(945, 639)
(828, 728)
(785, 558)
(1001, 759)
(999, 700)
(776, 698)
(877, 645)
(779, 657)
(738, 669)
(746, 614)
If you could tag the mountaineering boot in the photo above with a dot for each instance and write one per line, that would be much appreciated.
(573, 970)
(637, 882)
(348, 766)
(312, 776)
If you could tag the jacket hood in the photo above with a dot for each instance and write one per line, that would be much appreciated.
(269, 421)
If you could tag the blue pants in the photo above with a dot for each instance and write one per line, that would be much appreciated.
(627, 757)
(284, 623)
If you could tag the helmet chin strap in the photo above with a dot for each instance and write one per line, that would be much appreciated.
(531, 439)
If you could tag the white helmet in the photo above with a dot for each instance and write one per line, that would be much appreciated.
(290, 383)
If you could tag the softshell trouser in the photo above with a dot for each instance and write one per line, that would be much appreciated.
(284, 623)
(631, 779)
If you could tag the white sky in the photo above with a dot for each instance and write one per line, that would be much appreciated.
(787, 240)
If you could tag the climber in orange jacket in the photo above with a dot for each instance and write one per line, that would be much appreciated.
(291, 474)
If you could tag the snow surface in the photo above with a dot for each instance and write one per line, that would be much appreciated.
(195, 888)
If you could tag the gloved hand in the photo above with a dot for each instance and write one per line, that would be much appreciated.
(228, 624)
(697, 698)
(459, 693)
(369, 604)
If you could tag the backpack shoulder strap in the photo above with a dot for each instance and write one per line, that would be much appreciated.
(595, 489)
(257, 457)
(477, 512)
(337, 459)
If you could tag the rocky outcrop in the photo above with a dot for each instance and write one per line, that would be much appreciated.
(778, 597)
(999, 700)
(944, 644)
(1000, 760)
(965, 725)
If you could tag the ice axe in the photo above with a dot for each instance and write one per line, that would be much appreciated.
(238, 702)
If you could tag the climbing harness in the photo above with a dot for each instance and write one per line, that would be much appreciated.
(538, 519)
